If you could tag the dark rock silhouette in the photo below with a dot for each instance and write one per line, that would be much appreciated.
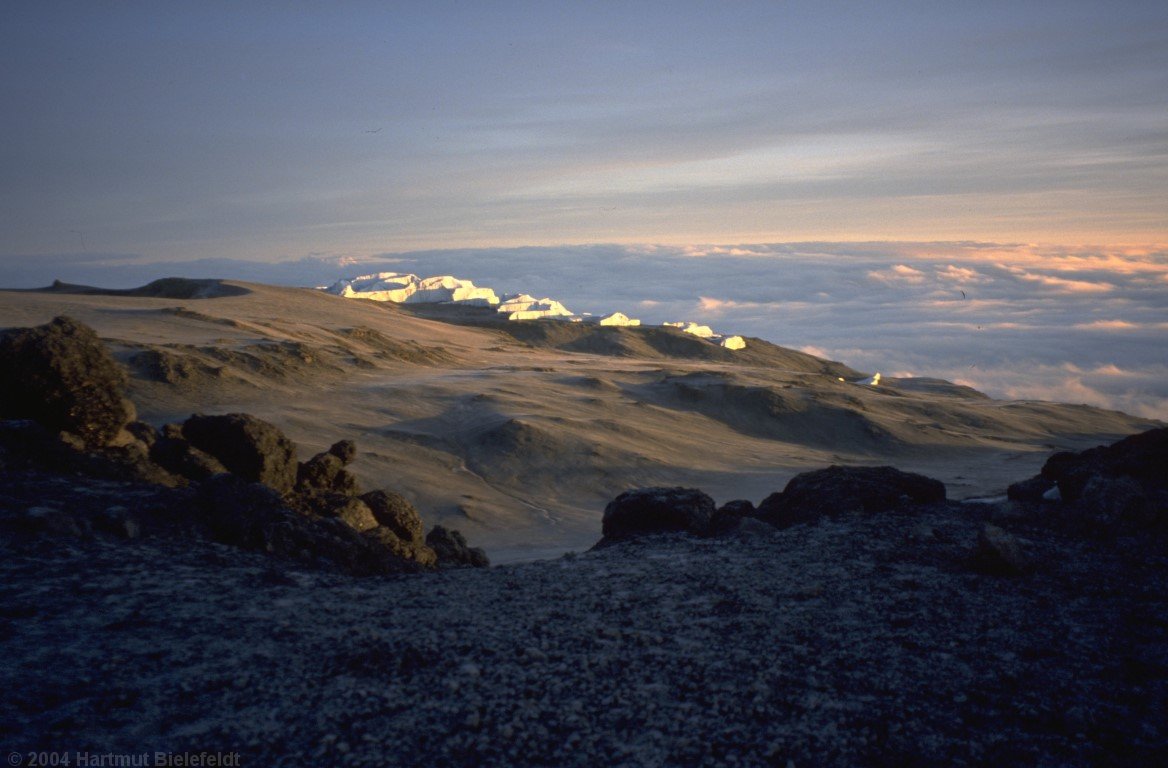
(395, 512)
(345, 450)
(249, 447)
(839, 490)
(730, 515)
(1033, 490)
(646, 511)
(452, 550)
(1107, 488)
(177, 455)
(62, 376)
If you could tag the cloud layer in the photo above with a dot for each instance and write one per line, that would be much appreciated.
(1075, 325)
(259, 130)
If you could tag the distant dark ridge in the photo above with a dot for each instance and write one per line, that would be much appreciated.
(164, 288)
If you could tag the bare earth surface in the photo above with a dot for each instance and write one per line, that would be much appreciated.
(848, 642)
(860, 639)
(518, 434)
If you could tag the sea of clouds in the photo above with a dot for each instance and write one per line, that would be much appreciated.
(1015, 321)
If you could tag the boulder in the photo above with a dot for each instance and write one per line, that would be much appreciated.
(177, 455)
(1032, 491)
(239, 512)
(27, 442)
(249, 447)
(1108, 502)
(348, 509)
(143, 432)
(330, 541)
(325, 472)
(645, 511)
(1109, 486)
(394, 512)
(729, 516)
(62, 376)
(417, 552)
(451, 549)
(839, 490)
(1142, 457)
(998, 553)
(345, 450)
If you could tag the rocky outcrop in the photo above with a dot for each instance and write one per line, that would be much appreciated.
(233, 478)
(1107, 488)
(452, 550)
(248, 447)
(394, 512)
(730, 515)
(646, 511)
(839, 490)
(62, 376)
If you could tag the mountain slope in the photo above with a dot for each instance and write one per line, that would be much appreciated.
(519, 432)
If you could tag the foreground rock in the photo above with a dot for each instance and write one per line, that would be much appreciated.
(1112, 488)
(646, 511)
(840, 490)
(451, 549)
(248, 447)
(62, 376)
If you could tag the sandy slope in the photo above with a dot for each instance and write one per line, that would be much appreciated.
(518, 434)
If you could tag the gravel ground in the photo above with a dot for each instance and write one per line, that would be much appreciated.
(858, 641)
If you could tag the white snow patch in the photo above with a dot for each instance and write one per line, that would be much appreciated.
(618, 318)
(703, 331)
(410, 289)
(524, 307)
(734, 342)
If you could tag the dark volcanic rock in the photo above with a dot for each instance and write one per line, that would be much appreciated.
(998, 553)
(1110, 486)
(838, 490)
(177, 455)
(345, 450)
(239, 512)
(451, 549)
(729, 516)
(1032, 490)
(348, 509)
(254, 516)
(249, 447)
(326, 472)
(415, 551)
(1142, 457)
(1109, 502)
(143, 432)
(61, 375)
(645, 511)
(395, 512)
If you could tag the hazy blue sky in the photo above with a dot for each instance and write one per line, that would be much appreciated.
(164, 130)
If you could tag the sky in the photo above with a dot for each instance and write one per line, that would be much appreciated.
(826, 175)
(177, 130)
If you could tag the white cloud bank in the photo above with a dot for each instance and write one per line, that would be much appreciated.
(1075, 325)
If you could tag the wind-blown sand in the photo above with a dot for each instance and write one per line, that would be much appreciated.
(518, 433)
